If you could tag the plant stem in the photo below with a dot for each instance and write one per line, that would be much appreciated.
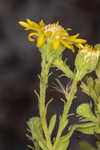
(42, 109)
(63, 120)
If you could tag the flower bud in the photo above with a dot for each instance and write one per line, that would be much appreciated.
(86, 60)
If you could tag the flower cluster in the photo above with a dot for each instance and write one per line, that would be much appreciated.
(42, 33)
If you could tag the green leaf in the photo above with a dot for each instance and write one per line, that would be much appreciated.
(97, 87)
(89, 88)
(63, 123)
(97, 129)
(52, 124)
(35, 127)
(63, 144)
(90, 82)
(36, 145)
(98, 107)
(86, 128)
(64, 140)
(86, 146)
(85, 88)
(42, 145)
(84, 110)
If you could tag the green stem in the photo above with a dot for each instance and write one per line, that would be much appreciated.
(42, 108)
(63, 120)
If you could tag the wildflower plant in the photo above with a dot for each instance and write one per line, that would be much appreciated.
(52, 40)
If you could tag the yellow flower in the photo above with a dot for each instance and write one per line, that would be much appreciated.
(56, 32)
(88, 50)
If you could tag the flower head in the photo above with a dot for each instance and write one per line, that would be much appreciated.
(42, 33)
(87, 59)
(90, 52)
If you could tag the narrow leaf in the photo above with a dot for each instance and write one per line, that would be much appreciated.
(62, 144)
(52, 124)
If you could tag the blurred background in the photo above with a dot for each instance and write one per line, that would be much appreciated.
(20, 60)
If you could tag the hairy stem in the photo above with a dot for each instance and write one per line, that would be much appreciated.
(42, 108)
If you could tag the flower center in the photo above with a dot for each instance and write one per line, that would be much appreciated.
(53, 28)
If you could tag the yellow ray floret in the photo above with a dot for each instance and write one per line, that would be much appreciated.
(42, 33)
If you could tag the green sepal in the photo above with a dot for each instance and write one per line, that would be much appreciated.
(97, 47)
(48, 51)
(86, 146)
(52, 124)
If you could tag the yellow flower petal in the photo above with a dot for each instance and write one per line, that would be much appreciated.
(74, 36)
(32, 23)
(42, 24)
(23, 24)
(56, 43)
(68, 29)
(79, 45)
(80, 41)
(69, 46)
(30, 38)
(40, 40)
(26, 25)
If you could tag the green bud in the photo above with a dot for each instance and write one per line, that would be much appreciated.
(86, 60)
